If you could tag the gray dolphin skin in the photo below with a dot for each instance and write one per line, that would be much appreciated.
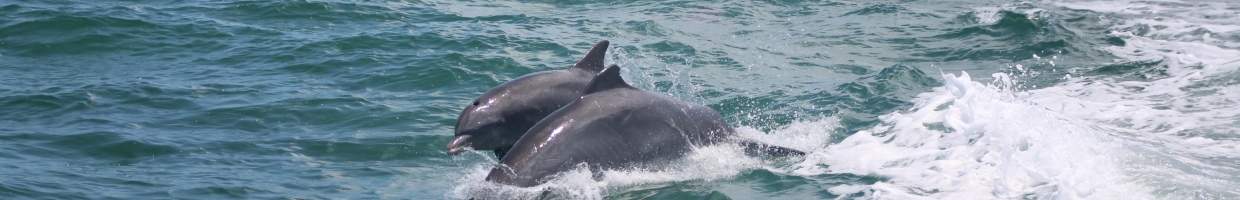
(612, 126)
(498, 118)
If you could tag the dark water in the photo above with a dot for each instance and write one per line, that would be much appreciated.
(356, 100)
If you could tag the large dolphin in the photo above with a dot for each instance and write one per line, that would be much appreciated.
(612, 126)
(498, 118)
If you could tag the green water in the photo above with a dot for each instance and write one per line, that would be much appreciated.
(356, 100)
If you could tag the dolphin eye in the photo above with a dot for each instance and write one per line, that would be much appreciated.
(475, 102)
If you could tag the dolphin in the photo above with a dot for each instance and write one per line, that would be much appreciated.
(500, 116)
(613, 126)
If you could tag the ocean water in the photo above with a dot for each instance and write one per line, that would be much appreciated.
(325, 99)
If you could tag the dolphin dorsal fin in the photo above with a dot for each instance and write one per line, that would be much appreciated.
(606, 80)
(593, 61)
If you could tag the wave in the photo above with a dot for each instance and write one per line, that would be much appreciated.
(106, 146)
(330, 113)
(315, 10)
(46, 32)
(856, 101)
(877, 9)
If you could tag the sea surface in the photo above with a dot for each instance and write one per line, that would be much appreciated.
(910, 99)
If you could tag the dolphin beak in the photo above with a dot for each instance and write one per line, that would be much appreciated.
(458, 144)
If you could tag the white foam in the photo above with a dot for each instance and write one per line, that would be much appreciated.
(968, 140)
(707, 163)
(808, 135)
(987, 15)
(1186, 126)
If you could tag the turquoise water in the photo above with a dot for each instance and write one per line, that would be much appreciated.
(356, 100)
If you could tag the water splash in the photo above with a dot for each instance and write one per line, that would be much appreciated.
(973, 140)
(708, 163)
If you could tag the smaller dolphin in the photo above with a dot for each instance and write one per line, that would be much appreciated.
(613, 126)
(500, 116)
